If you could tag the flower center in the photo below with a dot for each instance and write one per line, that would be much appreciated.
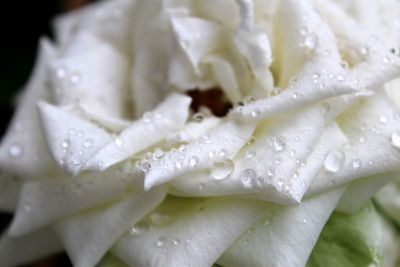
(213, 98)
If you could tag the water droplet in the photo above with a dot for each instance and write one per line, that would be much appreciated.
(60, 73)
(65, 143)
(211, 154)
(147, 117)
(356, 164)
(334, 160)
(364, 50)
(271, 171)
(118, 142)
(202, 186)
(295, 95)
(159, 219)
(304, 220)
(250, 154)
(311, 41)
(249, 175)
(161, 242)
(222, 169)
(158, 154)
(198, 117)
(340, 77)
(87, 143)
(145, 167)
(15, 151)
(383, 119)
(178, 164)
(223, 153)
(362, 139)
(296, 175)
(255, 112)
(176, 241)
(194, 161)
(279, 144)
(395, 139)
(75, 78)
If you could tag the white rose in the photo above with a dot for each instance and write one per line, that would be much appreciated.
(102, 155)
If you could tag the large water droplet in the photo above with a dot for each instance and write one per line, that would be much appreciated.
(334, 160)
(222, 169)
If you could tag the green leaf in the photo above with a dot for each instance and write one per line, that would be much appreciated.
(350, 240)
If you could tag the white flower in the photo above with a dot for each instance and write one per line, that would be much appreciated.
(103, 155)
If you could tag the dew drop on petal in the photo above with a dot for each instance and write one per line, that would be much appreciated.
(65, 143)
(161, 242)
(395, 139)
(139, 228)
(249, 175)
(158, 153)
(194, 161)
(160, 219)
(311, 41)
(87, 143)
(279, 144)
(250, 154)
(383, 119)
(198, 117)
(356, 164)
(334, 160)
(15, 151)
(118, 142)
(222, 169)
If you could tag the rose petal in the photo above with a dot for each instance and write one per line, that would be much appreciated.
(43, 202)
(72, 141)
(23, 149)
(10, 187)
(284, 238)
(153, 127)
(25, 249)
(93, 75)
(359, 192)
(371, 127)
(198, 232)
(223, 142)
(283, 144)
(87, 236)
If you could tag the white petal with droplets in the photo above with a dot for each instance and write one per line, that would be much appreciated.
(284, 237)
(72, 141)
(44, 202)
(153, 127)
(23, 149)
(198, 232)
(224, 142)
(87, 236)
